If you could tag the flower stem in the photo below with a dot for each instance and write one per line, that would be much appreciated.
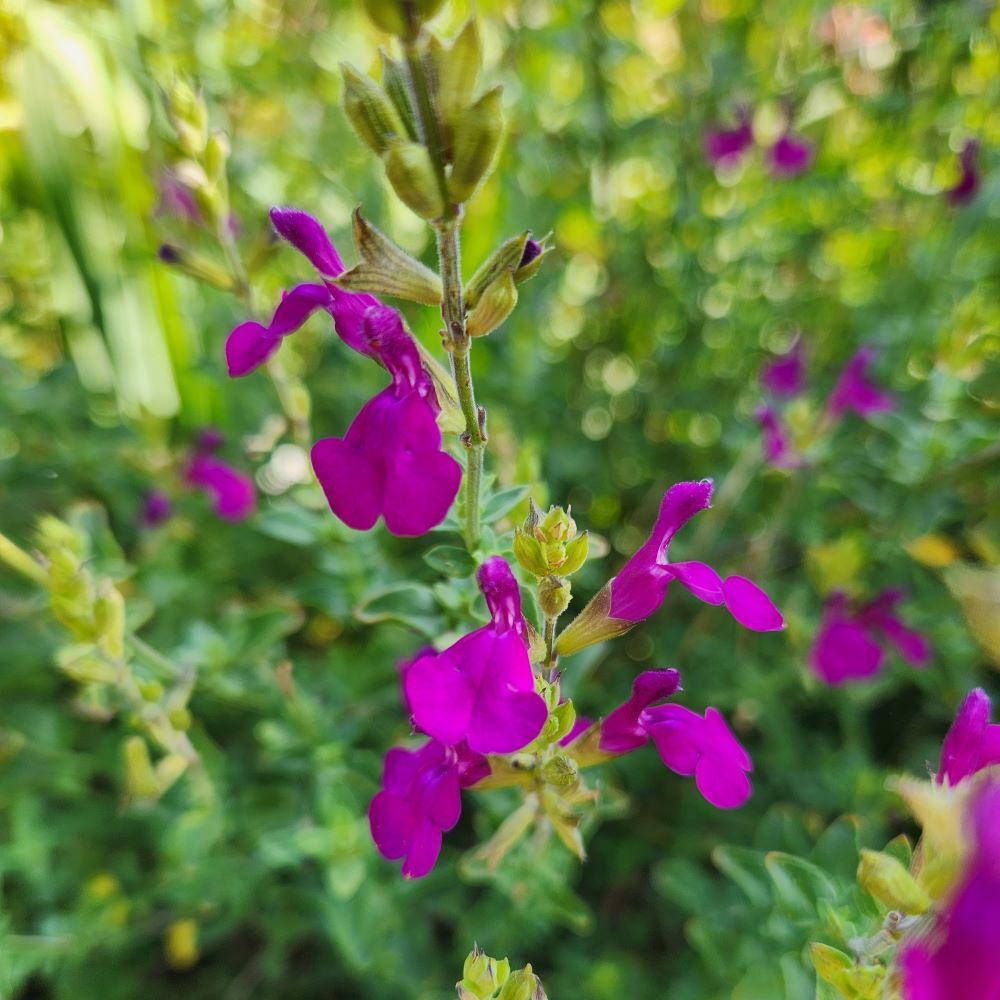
(15, 557)
(550, 644)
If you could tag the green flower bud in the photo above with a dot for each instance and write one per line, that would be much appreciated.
(554, 595)
(560, 771)
(83, 663)
(884, 878)
(140, 778)
(188, 115)
(576, 554)
(829, 962)
(482, 976)
(180, 718)
(395, 87)
(477, 134)
(558, 525)
(504, 259)
(864, 982)
(401, 17)
(459, 68)
(528, 552)
(496, 304)
(411, 174)
(370, 111)
(109, 620)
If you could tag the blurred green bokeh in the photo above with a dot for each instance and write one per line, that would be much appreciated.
(630, 364)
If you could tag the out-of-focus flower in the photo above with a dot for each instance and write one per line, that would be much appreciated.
(968, 183)
(778, 449)
(854, 389)
(390, 462)
(785, 375)
(959, 956)
(156, 508)
(233, 495)
(972, 742)
(790, 156)
(849, 644)
(855, 31)
(703, 746)
(726, 146)
(481, 689)
(420, 799)
(175, 198)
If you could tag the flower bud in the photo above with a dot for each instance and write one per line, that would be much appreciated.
(505, 259)
(560, 771)
(829, 962)
(394, 85)
(401, 17)
(459, 68)
(885, 879)
(496, 304)
(576, 553)
(554, 595)
(559, 723)
(477, 134)
(482, 976)
(370, 112)
(188, 115)
(411, 174)
(522, 985)
(140, 779)
(528, 552)
(196, 266)
(109, 620)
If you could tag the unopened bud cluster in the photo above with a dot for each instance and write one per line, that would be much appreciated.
(485, 978)
(548, 547)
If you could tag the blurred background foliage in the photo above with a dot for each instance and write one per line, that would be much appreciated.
(630, 364)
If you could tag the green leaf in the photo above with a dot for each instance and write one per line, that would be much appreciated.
(798, 884)
(746, 868)
(452, 560)
(293, 525)
(503, 503)
(410, 604)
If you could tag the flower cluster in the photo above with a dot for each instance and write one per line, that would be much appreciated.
(784, 377)
(850, 644)
(493, 695)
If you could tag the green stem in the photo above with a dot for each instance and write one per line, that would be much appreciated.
(550, 644)
(15, 557)
(453, 312)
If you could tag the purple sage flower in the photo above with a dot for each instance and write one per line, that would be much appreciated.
(641, 585)
(960, 956)
(704, 746)
(482, 688)
(232, 492)
(849, 644)
(622, 731)
(390, 462)
(790, 156)
(968, 183)
(778, 449)
(972, 742)
(725, 147)
(156, 508)
(785, 375)
(855, 391)
(421, 799)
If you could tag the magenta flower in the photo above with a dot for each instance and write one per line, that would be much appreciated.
(156, 508)
(960, 956)
(849, 644)
(704, 746)
(250, 344)
(481, 689)
(968, 183)
(175, 198)
(420, 799)
(725, 147)
(641, 585)
(855, 391)
(622, 730)
(390, 462)
(785, 374)
(778, 449)
(972, 742)
(790, 156)
(232, 492)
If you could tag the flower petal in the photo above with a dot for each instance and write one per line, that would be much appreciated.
(719, 740)
(306, 234)
(962, 747)
(392, 822)
(424, 850)
(440, 696)
(723, 783)
(844, 651)
(750, 606)
(677, 733)
(700, 579)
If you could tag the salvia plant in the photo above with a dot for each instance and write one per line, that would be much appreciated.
(487, 690)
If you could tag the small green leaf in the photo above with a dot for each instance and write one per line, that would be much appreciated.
(450, 560)
(503, 503)
(798, 883)
(409, 604)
